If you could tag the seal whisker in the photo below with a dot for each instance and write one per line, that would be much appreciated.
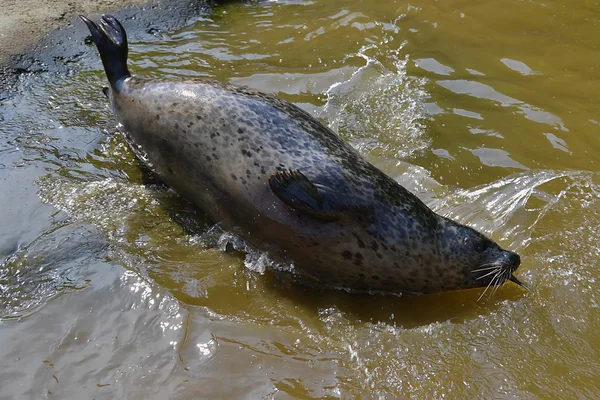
(500, 278)
(488, 266)
(496, 283)
(487, 269)
(496, 270)
(489, 284)
(490, 263)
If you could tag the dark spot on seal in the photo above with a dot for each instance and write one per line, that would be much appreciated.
(233, 177)
(360, 243)
(358, 256)
(347, 255)
(198, 117)
(374, 245)
(376, 277)
(240, 130)
(246, 153)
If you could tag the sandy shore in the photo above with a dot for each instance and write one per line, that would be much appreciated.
(47, 36)
(24, 22)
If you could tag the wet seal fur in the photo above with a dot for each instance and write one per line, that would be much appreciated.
(274, 175)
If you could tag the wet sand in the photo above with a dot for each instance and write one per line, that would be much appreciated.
(24, 22)
(49, 37)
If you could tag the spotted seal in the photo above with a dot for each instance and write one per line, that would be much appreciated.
(274, 175)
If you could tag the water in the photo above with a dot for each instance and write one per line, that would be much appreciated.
(112, 286)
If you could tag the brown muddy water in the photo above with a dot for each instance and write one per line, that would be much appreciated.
(113, 287)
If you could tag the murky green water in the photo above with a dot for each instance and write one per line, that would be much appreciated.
(114, 287)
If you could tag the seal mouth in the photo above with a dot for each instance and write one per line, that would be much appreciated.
(498, 273)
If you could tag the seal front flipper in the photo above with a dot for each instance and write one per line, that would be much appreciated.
(295, 190)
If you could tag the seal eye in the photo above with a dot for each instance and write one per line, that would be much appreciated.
(483, 245)
(478, 245)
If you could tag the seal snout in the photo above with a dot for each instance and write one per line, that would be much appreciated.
(513, 259)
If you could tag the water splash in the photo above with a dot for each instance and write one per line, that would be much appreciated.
(379, 109)
(108, 203)
(254, 260)
(512, 206)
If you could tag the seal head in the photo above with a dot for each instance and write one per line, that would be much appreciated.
(484, 263)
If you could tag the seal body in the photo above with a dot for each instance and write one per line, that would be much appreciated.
(278, 178)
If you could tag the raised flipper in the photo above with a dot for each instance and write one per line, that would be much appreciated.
(295, 190)
(111, 40)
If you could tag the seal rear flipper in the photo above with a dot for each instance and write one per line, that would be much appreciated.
(111, 40)
(295, 190)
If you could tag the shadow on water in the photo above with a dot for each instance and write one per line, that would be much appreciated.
(403, 311)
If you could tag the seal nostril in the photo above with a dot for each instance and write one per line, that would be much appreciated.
(514, 259)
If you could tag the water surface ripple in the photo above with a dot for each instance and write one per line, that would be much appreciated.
(113, 286)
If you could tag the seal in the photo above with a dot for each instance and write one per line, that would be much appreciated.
(286, 184)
